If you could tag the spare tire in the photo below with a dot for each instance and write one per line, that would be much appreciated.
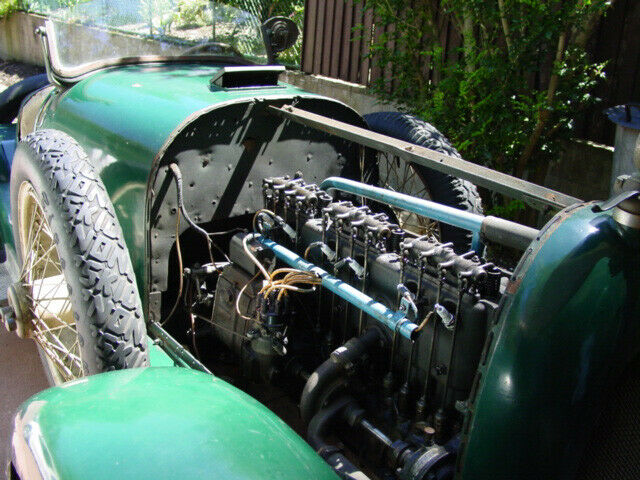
(76, 293)
(12, 97)
(436, 186)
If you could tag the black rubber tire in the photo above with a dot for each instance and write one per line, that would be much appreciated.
(442, 188)
(11, 98)
(104, 296)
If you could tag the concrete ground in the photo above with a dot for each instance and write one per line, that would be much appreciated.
(21, 373)
(21, 376)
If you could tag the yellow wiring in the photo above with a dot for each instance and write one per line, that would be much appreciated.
(289, 282)
(241, 292)
(424, 322)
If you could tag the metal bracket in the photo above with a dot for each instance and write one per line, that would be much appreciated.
(407, 301)
(355, 266)
(324, 248)
(617, 200)
(535, 195)
(446, 317)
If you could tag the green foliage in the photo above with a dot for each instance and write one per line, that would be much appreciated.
(8, 6)
(510, 93)
(192, 13)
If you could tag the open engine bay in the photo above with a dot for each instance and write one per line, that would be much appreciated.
(326, 307)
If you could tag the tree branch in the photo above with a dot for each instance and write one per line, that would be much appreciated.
(505, 27)
(582, 33)
(545, 112)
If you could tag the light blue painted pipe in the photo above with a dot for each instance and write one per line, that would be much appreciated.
(389, 318)
(492, 228)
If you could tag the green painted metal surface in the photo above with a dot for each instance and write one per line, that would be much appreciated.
(568, 325)
(123, 116)
(160, 423)
(157, 356)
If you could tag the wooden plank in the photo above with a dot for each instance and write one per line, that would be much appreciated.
(356, 43)
(365, 73)
(309, 35)
(345, 58)
(443, 26)
(425, 62)
(388, 68)
(535, 195)
(454, 44)
(402, 44)
(605, 47)
(338, 27)
(317, 49)
(327, 50)
(629, 53)
(376, 68)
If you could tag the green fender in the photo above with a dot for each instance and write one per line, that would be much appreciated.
(568, 327)
(157, 423)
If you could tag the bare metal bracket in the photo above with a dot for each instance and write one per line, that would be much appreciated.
(538, 197)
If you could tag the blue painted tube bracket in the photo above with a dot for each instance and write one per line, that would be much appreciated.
(396, 321)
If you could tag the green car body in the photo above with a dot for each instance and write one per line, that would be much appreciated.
(568, 320)
(124, 118)
(158, 423)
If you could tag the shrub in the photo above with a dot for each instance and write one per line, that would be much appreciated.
(521, 79)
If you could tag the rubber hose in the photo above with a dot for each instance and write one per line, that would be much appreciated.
(331, 370)
(319, 426)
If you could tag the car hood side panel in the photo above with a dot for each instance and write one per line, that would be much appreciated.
(157, 423)
(123, 118)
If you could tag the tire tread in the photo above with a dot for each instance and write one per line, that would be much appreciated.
(111, 303)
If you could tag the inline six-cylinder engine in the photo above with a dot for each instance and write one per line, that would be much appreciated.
(375, 331)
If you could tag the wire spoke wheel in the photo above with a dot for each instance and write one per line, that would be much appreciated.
(76, 292)
(422, 182)
(400, 176)
(48, 299)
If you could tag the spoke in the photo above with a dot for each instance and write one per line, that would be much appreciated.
(31, 248)
(53, 289)
(49, 301)
(60, 347)
(69, 354)
(59, 327)
(28, 242)
(45, 253)
(35, 313)
(38, 325)
(66, 372)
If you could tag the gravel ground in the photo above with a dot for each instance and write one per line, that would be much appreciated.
(21, 373)
(12, 72)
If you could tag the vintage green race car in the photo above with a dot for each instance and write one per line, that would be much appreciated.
(170, 209)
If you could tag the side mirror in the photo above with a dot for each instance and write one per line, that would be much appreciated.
(279, 34)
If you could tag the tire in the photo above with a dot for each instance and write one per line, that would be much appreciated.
(440, 187)
(12, 97)
(80, 243)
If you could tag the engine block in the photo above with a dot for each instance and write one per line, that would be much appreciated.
(413, 387)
